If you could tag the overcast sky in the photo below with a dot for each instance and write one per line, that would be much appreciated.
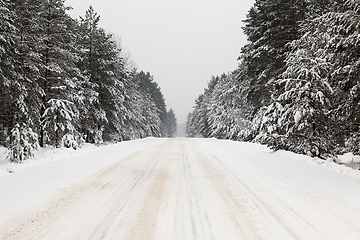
(182, 43)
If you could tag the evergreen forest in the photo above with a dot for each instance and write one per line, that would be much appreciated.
(65, 81)
(297, 85)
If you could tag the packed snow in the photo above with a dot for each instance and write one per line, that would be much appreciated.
(179, 189)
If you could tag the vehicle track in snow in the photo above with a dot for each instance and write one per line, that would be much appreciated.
(187, 189)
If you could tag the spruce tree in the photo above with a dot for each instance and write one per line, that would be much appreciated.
(7, 63)
(171, 124)
(270, 25)
(93, 117)
(317, 108)
(58, 80)
(196, 120)
(225, 115)
(147, 84)
(199, 124)
(26, 91)
(341, 49)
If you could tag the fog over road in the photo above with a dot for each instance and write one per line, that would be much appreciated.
(197, 189)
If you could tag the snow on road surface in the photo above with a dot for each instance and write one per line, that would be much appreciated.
(181, 189)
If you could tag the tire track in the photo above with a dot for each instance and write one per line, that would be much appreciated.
(238, 212)
(184, 189)
(72, 203)
(296, 212)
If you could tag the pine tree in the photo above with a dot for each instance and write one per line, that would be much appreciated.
(321, 84)
(225, 116)
(112, 82)
(103, 66)
(89, 41)
(151, 124)
(58, 117)
(63, 76)
(301, 118)
(26, 92)
(21, 143)
(342, 50)
(171, 124)
(195, 119)
(147, 84)
(198, 122)
(58, 57)
(189, 125)
(7, 62)
(151, 96)
(269, 26)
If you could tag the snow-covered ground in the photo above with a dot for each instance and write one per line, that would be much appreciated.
(179, 189)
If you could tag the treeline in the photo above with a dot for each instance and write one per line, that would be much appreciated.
(64, 77)
(297, 86)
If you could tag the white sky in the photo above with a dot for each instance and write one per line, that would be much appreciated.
(182, 43)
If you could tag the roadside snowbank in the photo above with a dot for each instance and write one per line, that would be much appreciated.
(347, 163)
(42, 155)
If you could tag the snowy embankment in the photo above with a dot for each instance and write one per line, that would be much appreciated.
(42, 155)
(50, 155)
(348, 163)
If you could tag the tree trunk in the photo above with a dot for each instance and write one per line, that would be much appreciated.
(45, 85)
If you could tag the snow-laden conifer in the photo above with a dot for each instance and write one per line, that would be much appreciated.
(303, 120)
(171, 124)
(57, 119)
(225, 115)
(22, 143)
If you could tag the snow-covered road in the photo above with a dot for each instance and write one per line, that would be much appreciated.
(182, 189)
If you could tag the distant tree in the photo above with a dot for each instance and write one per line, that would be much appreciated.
(189, 125)
(147, 85)
(151, 124)
(171, 123)
(198, 124)
(225, 115)
(196, 120)
(144, 117)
